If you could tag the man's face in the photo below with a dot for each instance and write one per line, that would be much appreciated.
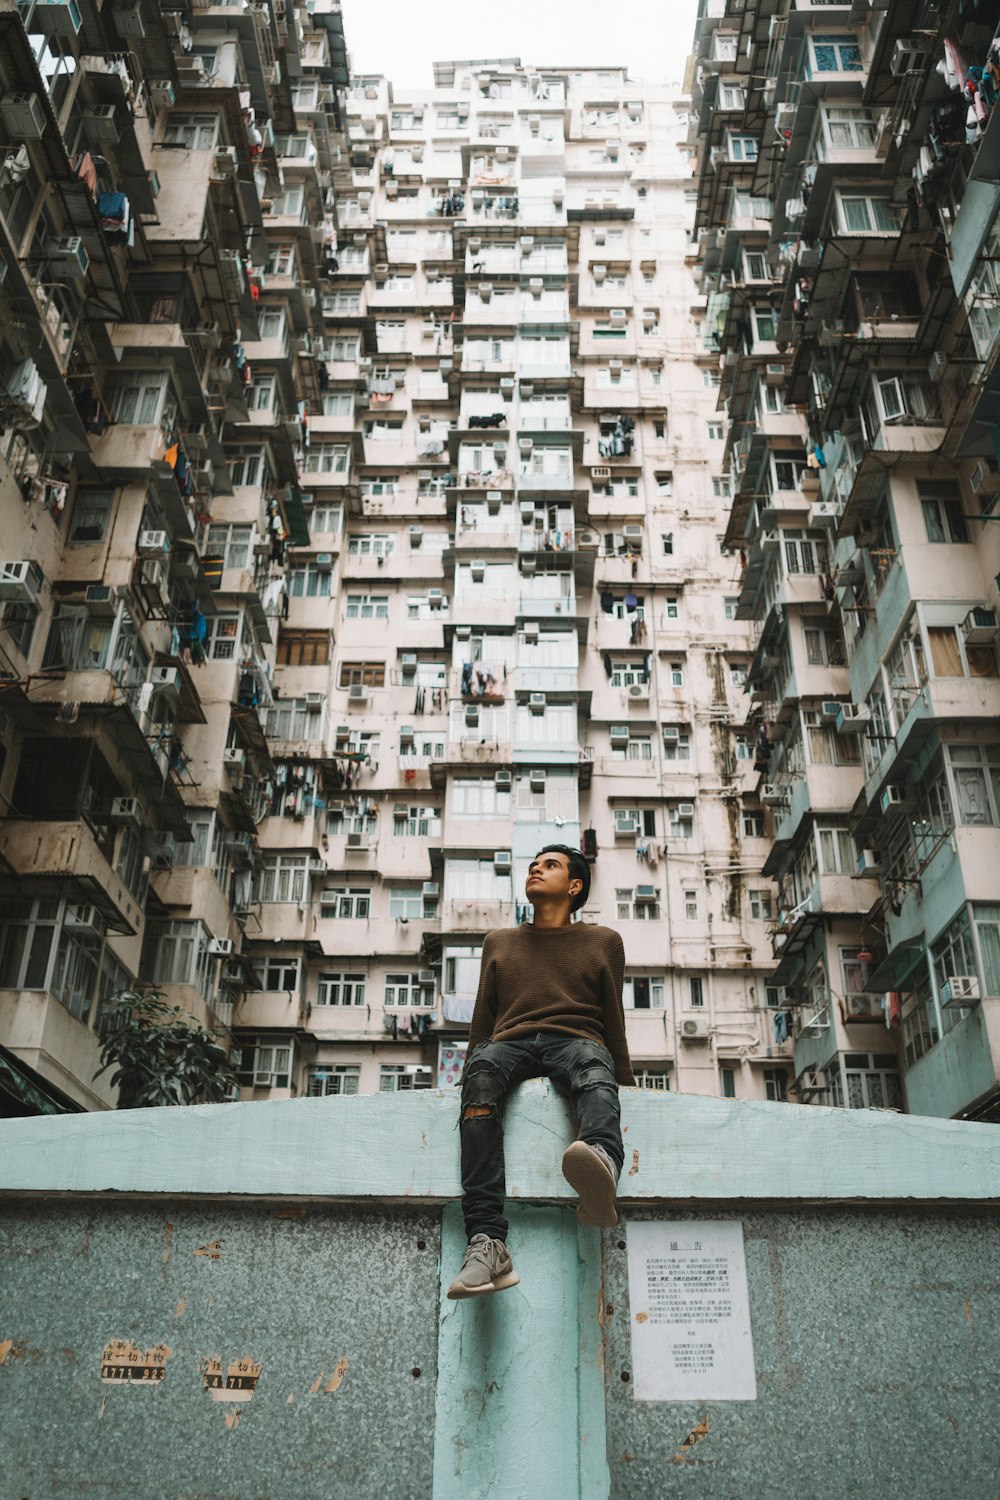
(548, 875)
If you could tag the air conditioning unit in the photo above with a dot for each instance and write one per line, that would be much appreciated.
(408, 663)
(694, 1029)
(909, 56)
(357, 693)
(416, 535)
(68, 257)
(262, 1080)
(166, 681)
(525, 444)
(23, 116)
(615, 366)
(536, 703)
(221, 947)
(618, 316)
(234, 758)
(830, 708)
(531, 630)
(529, 563)
(638, 693)
(356, 841)
(430, 890)
(853, 718)
(435, 598)
(960, 989)
(153, 542)
(823, 513)
(633, 535)
(102, 124)
(20, 582)
(472, 715)
(502, 863)
(100, 599)
(774, 374)
(503, 781)
(937, 365)
(770, 541)
(314, 702)
(980, 627)
(671, 734)
(463, 632)
(619, 734)
(160, 93)
(868, 862)
(323, 562)
(587, 541)
(126, 810)
(83, 919)
(536, 781)
(599, 273)
(477, 568)
(644, 894)
(59, 18)
(685, 809)
(893, 798)
(772, 795)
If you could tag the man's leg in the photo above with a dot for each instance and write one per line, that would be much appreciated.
(491, 1070)
(593, 1163)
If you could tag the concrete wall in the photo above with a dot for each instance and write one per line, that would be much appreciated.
(284, 1265)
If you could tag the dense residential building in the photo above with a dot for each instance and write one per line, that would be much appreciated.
(363, 493)
(846, 239)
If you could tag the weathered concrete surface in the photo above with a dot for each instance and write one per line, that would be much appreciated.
(874, 1280)
(681, 1147)
(337, 1307)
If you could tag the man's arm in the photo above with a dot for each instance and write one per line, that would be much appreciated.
(484, 1014)
(614, 1014)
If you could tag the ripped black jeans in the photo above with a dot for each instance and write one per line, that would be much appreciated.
(584, 1069)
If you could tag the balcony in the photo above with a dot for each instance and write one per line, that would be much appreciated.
(476, 915)
(69, 853)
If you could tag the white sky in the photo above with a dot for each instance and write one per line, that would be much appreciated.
(652, 38)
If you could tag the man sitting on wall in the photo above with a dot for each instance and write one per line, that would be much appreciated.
(550, 1006)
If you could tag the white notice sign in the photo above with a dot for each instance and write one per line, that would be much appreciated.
(689, 1311)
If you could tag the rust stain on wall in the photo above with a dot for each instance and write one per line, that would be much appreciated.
(211, 1250)
(633, 1169)
(642, 1317)
(124, 1363)
(233, 1418)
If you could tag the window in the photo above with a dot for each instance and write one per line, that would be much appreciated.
(340, 989)
(222, 637)
(753, 825)
(283, 878)
(680, 820)
(18, 625)
(91, 514)
(409, 904)
(635, 821)
(637, 747)
(394, 1078)
(738, 673)
(405, 990)
(248, 468)
(691, 904)
(776, 1085)
(341, 1078)
(825, 746)
(975, 775)
(732, 96)
(338, 404)
(728, 1079)
(952, 656)
(303, 648)
(676, 743)
(344, 348)
(409, 821)
(193, 132)
(177, 953)
(715, 432)
(309, 582)
(943, 517)
(872, 1081)
(854, 129)
(761, 908)
(839, 53)
(668, 544)
(324, 518)
(348, 902)
(675, 673)
(144, 400)
(264, 1061)
(361, 674)
(696, 993)
(742, 148)
(868, 213)
(837, 853)
(327, 458)
(639, 905)
(271, 322)
(279, 974)
(231, 543)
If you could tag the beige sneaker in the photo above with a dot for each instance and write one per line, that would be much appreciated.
(487, 1267)
(590, 1170)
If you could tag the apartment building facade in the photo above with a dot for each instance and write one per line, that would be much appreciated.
(845, 232)
(366, 491)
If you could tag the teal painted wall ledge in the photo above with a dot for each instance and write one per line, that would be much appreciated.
(679, 1147)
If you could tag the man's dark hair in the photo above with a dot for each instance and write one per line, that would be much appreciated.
(578, 870)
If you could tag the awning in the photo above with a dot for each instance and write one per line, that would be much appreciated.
(31, 1091)
(894, 970)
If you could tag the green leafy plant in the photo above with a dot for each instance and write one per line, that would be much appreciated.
(160, 1054)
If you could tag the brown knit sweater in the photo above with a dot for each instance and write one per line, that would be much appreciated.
(566, 980)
